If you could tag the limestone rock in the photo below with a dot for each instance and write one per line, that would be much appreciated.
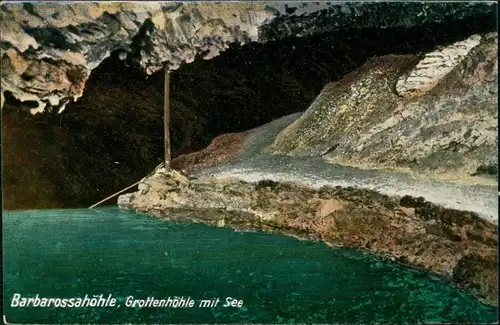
(125, 200)
(434, 66)
(450, 126)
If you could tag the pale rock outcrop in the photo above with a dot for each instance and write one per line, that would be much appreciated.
(372, 118)
(435, 66)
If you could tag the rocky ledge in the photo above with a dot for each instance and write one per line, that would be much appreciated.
(456, 245)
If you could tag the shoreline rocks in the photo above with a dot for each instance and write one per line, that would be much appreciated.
(457, 245)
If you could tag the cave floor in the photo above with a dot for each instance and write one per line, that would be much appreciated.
(253, 164)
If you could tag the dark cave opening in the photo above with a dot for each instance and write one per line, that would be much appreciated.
(113, 135)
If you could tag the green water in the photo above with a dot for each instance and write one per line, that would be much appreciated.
(71, 253)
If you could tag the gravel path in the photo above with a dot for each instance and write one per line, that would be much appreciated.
(252, 165)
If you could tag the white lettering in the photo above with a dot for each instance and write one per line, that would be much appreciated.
(37, 301)
(129, 301)
(15, 300)
(233, 302)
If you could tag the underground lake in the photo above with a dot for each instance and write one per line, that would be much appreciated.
(70, 253)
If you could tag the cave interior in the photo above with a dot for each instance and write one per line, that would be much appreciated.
(113, 135)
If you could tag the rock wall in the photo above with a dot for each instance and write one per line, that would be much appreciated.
(48, 49)
(437, 113)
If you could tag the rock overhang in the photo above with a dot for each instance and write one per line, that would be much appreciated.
(49, 49)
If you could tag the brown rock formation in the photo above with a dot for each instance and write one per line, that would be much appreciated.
(222, 149)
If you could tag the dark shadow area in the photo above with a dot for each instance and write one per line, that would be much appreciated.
(113, 135)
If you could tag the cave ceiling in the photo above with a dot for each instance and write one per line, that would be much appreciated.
(49, 49)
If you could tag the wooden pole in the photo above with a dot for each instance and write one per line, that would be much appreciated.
(128, 187)
(112, 196)
(166, 118)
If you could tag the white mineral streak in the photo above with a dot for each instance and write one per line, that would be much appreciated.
(39, 109)
(434, 67)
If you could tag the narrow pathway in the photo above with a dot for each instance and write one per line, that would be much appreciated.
(253, 165)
